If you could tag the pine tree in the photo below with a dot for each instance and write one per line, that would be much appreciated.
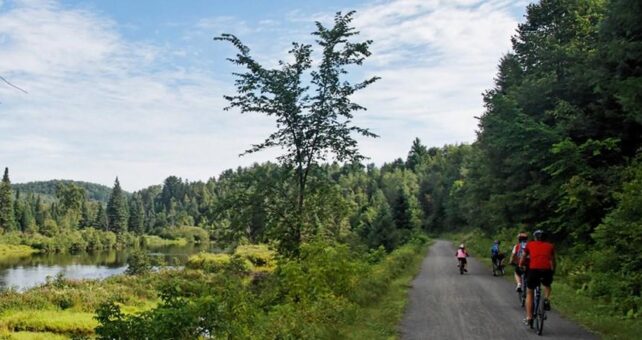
(418, 152)
(17, 212)
(85, 217)
(401, 211)
(136, 215)
(101, 219)
(7, 217)
(40, 213)
(117, 209)
(27, 222)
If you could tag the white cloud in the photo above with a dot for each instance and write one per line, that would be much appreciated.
(100, 105)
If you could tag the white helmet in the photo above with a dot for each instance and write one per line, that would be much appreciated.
(461, 246)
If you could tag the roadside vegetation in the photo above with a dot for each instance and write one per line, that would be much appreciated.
(318, 249)
(569, 298)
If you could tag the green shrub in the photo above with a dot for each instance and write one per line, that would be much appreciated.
(259, 255)
(208, 261)
(138, 263)
(191, 234)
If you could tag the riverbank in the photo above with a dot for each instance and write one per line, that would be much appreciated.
(329, 290)
(15, 251)
(594, 314)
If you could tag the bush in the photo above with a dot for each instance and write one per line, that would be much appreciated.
(191, 234)
(261, 257)
(138, 263)
(309, 297)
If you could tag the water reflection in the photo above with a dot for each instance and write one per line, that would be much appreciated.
(26, 272)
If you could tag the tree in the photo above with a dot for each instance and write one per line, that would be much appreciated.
(314, 121)
(117, 209)
(101, 218)
(418, 152)
(7, 217)
(136, 215)
(71, 198)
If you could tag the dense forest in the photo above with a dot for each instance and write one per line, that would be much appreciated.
(558, 148)
(48, 189)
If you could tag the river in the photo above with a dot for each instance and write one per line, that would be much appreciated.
(27, 272)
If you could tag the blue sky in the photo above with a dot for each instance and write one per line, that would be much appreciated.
(134, 88)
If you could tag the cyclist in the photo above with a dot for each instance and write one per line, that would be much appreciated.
(516, 254)
(461, 255)
(540, 267)
(496, 256)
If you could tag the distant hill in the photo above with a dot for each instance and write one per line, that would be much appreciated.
(97, 192)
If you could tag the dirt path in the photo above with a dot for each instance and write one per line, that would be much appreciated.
(446, 305)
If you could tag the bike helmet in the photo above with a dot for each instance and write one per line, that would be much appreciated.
(539, 234)
(496, 242)
(461, 246)
(522, 236)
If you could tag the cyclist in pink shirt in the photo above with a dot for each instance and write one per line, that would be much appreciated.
(461, 255)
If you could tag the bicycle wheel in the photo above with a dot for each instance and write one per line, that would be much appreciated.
(539, 315)
(522, 294)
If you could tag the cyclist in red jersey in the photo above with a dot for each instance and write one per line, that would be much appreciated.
(515, 257)
(540, 266)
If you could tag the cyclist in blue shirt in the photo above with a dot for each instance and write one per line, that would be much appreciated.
(496, 254)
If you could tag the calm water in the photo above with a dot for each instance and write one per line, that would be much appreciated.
(27, 272)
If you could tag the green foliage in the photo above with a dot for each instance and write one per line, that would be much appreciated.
(117, 214)
(138, 263)
(67, 322)
(317, 295)
(312, 123)
(48, 189)
(261, 257)
(7, 217)
(191, 234)
(617, 260)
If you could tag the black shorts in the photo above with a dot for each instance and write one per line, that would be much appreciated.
(535, 276)
(499, 257)
(518, 269)
(462, 260)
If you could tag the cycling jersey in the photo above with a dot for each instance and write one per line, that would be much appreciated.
(541, 255)
(461, 254)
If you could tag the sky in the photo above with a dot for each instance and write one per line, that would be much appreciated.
(135, 89)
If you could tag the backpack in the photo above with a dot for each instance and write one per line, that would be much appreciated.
(520, 251)
(494, 250)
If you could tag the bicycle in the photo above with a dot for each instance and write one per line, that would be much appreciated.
(498, 267)
(539, 312)
(462, 264)
(521, 294)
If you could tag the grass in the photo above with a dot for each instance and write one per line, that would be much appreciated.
(593, 314)
(257, 257)
(381, 319)
(54, 321)
(157, 241)
(12, 250)
(33, 336)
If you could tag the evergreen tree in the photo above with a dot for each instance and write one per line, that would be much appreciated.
(101, 218)
(27, 221)
(117, 216)
(418, 152)
(17, 211)
(379, 230)
(40, 212)
(136, 215)
(402, 215)
(85, 217)
(7, 217)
